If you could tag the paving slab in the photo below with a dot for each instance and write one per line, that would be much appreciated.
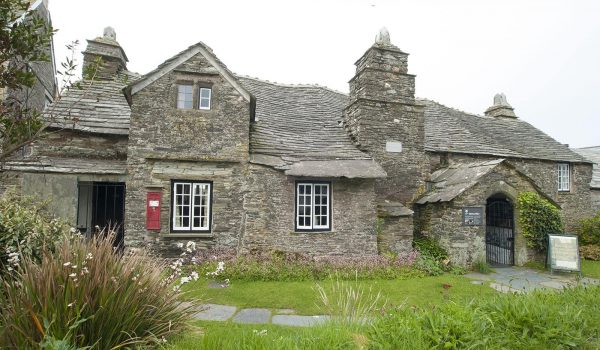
(252, 316)
(215, 312)
(299, 321)
(554, 284)
(504, 289)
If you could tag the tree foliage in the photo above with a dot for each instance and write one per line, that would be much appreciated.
(538, 217)
(24, 38)
(589, 230)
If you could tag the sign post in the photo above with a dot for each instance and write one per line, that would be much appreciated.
(563, 253)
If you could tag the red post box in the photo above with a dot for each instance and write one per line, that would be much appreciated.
(153, 211)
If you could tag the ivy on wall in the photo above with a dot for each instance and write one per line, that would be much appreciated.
(537, 217)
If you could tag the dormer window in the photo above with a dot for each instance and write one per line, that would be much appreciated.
(185, 96)
(204, 100)
(564, 177)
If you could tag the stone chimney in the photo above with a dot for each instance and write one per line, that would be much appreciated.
(384, 119)
(113, 58)
(501, 108)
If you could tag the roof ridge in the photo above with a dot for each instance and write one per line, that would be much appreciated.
(453, 108)
(291, 85)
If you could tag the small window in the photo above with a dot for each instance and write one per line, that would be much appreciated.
(564, 177)
(184, 96)
(205, 94)
(313, 206)
(191, 206)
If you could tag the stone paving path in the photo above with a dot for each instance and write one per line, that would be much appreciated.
(284, 317)
(505, 280)
(523, 280)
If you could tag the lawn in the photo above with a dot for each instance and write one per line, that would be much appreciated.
(590, 268)
(302, 296)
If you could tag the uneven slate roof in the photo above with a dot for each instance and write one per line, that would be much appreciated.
(451, 130)
(592, 154)
(98, 107)
(297, 129)
(449, 183)
(299, 121)
(67, 165)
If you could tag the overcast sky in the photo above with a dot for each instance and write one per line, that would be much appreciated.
(544, 55)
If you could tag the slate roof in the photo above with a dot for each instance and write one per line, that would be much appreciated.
(592, 154)
(299, 121)
(297, 129)
(448, 183)
(451, 130)
(98, 107)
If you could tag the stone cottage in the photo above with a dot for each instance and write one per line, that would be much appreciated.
(193, 151)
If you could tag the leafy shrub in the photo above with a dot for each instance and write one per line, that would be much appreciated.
(590, 252)
(26, 229)
(433, 258)
(537, 217)
(289, 266)
(86, 295)
(589, 230)
(430, 247)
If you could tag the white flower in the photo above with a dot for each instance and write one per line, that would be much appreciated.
(13, 255)
(71, 304)
(68, 263)
(179, 245)
(190, 246)
(185, 280)
(74, 266)
(73, 275)
(88, 256)
(73, 230)
(194, 275)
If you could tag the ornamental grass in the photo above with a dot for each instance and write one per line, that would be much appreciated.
(88, 295)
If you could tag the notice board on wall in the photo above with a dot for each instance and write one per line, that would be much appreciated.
(563, 252)
(472, 216)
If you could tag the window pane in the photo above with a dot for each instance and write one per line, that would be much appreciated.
(204, 92)
(204, 103)
(184, 96)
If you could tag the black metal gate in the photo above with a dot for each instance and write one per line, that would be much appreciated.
(102, 204)
(499, 233)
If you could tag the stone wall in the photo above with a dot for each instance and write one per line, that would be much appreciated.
(466, 244)
(395, 234)
(269, 220)
(167, 143)
(596, 200)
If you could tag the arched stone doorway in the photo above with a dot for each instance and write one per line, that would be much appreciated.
(500, 231)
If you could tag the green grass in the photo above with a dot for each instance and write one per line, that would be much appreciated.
(590, 268)
(539, 320)
(302, 296)
(227, 335)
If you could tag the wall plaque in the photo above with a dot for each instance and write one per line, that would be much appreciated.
(563, 252)
(472, 216)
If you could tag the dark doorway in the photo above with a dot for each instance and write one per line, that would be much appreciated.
(499, 233)
(101, 204)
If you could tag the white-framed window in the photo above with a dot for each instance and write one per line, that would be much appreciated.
(191, 206)
(564, 177)
(313, 206)
(185, 98)
(204, 98)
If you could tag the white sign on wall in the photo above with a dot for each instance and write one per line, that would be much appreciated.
(393, 146)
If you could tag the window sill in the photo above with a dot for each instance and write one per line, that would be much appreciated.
(311, 232)
(187, 235)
